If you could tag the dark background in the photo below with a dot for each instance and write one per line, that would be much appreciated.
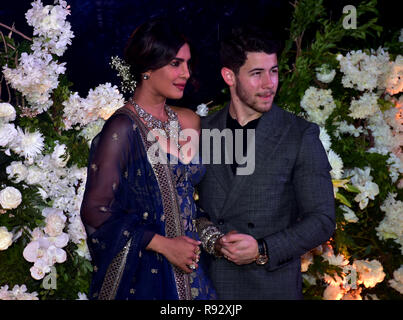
(101, 28)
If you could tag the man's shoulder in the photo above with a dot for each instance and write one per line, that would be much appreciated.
(298, 123)
(211, 120)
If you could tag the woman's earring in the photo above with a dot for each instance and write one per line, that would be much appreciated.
(146, 76)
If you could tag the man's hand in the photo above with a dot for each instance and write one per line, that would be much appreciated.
(239, 248)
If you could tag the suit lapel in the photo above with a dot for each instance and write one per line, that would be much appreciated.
(221, 171)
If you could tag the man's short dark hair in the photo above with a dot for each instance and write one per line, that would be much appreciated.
(244, 39)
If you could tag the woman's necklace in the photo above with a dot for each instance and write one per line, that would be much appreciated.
(171, 127)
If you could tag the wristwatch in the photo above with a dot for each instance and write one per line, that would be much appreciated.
(262, 258)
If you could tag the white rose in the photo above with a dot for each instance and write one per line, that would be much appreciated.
(8, 133)
(7, 112)
(10, 198)
(6, 238)
(55, 221)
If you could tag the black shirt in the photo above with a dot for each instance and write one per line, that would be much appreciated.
(234, 124)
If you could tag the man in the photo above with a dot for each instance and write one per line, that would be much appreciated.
(284, 207)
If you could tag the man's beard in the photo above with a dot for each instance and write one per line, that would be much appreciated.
(250, 100)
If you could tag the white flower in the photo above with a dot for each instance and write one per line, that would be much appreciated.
(28, 144)
(17, 171)
(325, 74)
(92, 129)
(362, 71)
(370, 272)
(8, 133)
(336, 163)
(60, 155)
(6, 238)
(50, 25)
(349, 214)
(394, 78)
(10, 198)
(325, 139)
(82, 296)
(338, 260)
(102, 102)
(391, 227)
(365, 106)
(39, 269)
(7, 112)
(384, 140)
(306, 261)
(333, 292)
(35, 77)
(319, 104)
(55, 221)
(202, 110)
(362, 179)
(344, 127)
(34, 176)
(17, 293)
(397, 281)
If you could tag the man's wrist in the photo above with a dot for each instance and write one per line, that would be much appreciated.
(263, 255)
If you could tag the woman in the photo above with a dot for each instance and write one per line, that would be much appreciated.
(139, 214)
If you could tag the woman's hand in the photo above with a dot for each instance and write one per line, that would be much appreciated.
(181, 251)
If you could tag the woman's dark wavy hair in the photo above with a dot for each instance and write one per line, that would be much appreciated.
(151, 46)
(244, 39)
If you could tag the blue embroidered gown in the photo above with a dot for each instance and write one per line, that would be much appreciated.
(126, 201)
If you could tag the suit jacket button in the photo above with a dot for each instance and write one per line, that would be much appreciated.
(251, 225)
(221, 222)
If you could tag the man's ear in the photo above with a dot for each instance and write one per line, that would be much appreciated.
(228, 76)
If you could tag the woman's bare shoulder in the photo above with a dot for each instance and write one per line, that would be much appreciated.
(187, 118)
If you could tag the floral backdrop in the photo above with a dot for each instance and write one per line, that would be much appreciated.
(328, 76)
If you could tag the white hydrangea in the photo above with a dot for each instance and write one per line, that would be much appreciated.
(362, 71)
(106, 99)
(391, 227)
(319, 104)
(101, 102)
(394, 78)
(384, 140)
(362, 179)
(397, 281)
(92, 129)
(50, 26)
(325, 74)
(370, 272)
(35, 77)
(365, 106)
(395, 167)
(7, 113)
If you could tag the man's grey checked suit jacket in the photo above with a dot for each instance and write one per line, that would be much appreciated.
(288, 200)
